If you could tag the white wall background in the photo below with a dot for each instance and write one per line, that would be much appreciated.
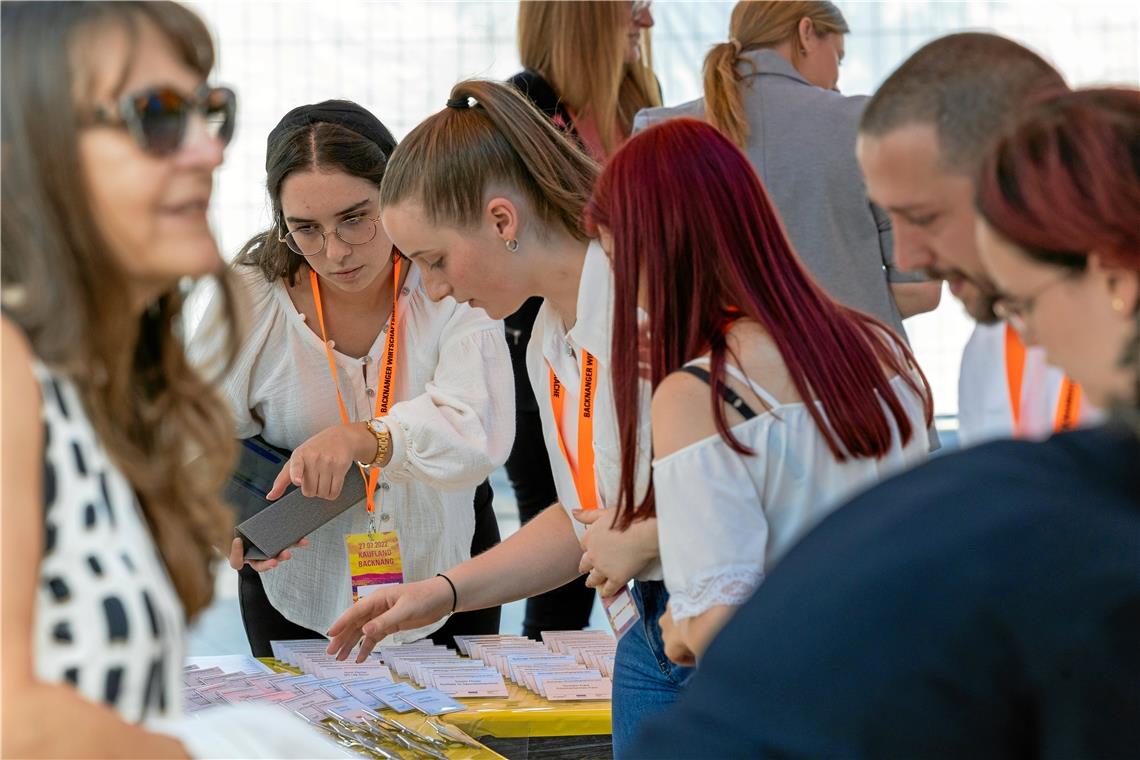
(399, 59)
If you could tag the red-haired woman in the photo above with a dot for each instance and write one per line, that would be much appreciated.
(1059, 232)
(771, 401)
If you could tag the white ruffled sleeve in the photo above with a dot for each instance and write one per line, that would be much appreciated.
(462, 426)
(712, 529)
(256, 315)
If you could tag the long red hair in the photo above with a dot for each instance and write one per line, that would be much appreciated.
(690, 216)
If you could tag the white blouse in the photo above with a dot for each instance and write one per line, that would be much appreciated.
(552, 346)
(724, 519)
(452, 424)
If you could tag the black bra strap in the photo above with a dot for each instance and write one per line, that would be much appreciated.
(728, 394)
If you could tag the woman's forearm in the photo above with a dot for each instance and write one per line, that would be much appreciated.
(698, 632)
(542, 555)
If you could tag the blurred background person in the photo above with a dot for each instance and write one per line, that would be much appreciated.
(772, 88)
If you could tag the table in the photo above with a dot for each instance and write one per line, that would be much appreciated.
(522, 725)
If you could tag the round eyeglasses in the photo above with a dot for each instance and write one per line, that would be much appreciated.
(309, 240)
(1016, 311)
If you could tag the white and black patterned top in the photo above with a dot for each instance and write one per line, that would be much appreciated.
(107, 618)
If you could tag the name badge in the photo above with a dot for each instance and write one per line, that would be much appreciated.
(373, 561)
(621, 611)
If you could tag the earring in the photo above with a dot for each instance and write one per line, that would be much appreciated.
(1118, 304)
(513, 245)
(803, 51)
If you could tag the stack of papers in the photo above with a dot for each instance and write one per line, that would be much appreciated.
(568, 665)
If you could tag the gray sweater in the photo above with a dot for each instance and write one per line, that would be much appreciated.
(802, 144)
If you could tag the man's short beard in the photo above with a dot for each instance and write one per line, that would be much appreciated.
(982, 309)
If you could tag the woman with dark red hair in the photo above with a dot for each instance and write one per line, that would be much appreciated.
(771, 401)
(1059, 231)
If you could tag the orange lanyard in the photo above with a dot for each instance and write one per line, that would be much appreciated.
(387, 376)
(583, 475)
(1068, 405)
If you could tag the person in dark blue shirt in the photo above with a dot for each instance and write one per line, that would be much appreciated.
(985, 605)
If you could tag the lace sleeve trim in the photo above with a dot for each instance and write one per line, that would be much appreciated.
(730, 585)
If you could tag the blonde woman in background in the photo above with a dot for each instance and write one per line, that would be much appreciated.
(587, 66)
(595, 59)
(772, 88)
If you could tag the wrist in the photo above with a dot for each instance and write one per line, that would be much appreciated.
(362, 442)
(373, 443)
(647, 543)
(450, 593)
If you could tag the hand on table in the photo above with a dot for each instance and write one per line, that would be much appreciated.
(386, 610)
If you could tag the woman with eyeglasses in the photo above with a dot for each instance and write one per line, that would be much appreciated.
(588, 67)
(108, 540)
(346, 360)
(1059, 205)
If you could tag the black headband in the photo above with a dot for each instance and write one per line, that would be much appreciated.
(343, 113)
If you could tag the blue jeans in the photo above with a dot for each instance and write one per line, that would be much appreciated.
(645, 680)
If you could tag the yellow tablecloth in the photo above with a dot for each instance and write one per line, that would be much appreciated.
(522, 714)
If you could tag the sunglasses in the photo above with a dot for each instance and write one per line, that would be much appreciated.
(157, 118)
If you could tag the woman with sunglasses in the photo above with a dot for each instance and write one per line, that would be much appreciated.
(347, 360)
(108, 542)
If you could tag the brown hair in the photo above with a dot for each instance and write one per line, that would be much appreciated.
(151, 410)
(579, 48)
(755, 25)
(321, 145)
(450, 159)
(969, 86)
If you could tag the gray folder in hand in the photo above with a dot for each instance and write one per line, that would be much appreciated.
(265, 527)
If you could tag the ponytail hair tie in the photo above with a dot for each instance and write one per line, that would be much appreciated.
(459, 102)
(736, 46)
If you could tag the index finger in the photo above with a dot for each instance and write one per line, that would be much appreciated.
(283, 480)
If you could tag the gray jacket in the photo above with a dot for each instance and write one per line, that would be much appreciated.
(802, 144)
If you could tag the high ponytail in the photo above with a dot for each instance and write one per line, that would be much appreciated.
(490, 134)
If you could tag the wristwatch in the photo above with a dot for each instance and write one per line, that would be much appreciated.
(383, 442)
